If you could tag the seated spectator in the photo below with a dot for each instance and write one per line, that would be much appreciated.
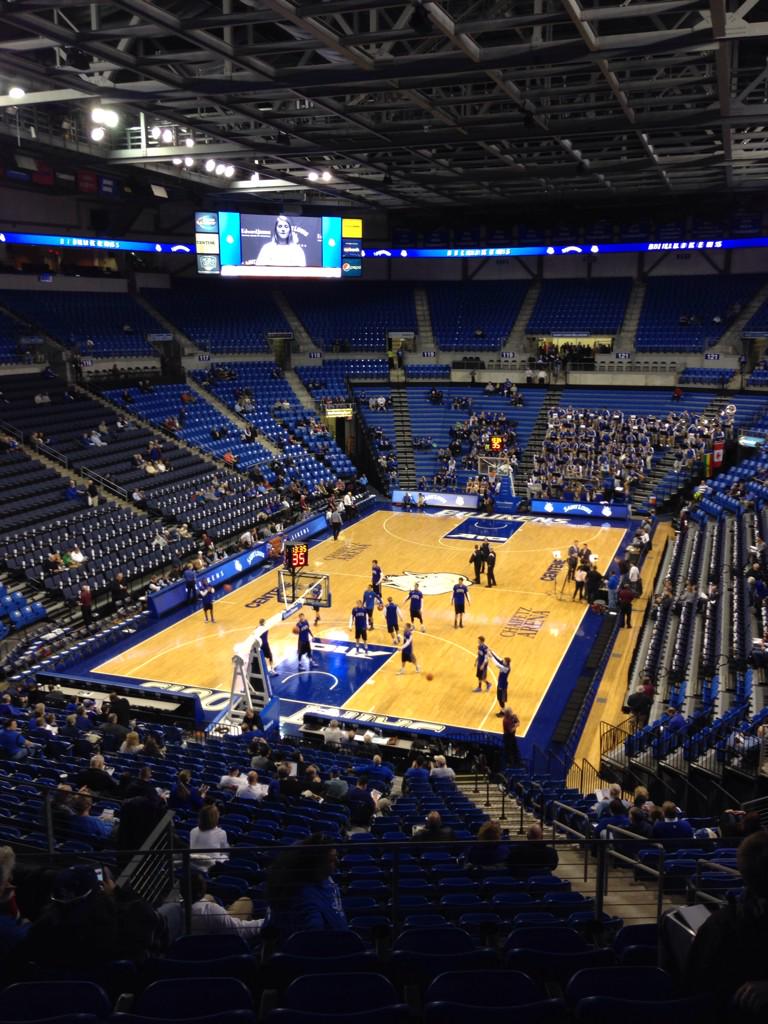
(207, 839)
(361, 804)
(674, 720)
(311, 783)
(336, 788)
(671, 827)
(209, 918)
(490, 850)
(301, 892)
(233, 779)
(261, 755)
(83, 826)
(251, 721)
(416, 773)
(90, 922)
(332, 734)
(534, 856)
(131, 744)
(640, 823)
(153, 746)
(113, 728)
(434, 831)
(13, 744)
(616, 815)
(184, 796)
(727, 959)
(441, 769)
(251, 788)
(603, 806)
(96, 778)
(285, 785)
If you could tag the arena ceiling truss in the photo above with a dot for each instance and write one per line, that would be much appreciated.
(402, 105)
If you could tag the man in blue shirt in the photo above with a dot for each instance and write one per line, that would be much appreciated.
(392, 617)
(369, 603)
(481, 665)
(360, 803)
(359, 620)
(417, 772)
(675, 720)
(502, 682)
(12, 743)
(304, 634)
(459, 600)
(671, 828)
(83, 825)
(376, 579)
(415, 598)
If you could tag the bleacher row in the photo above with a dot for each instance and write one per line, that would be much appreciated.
(680, 313)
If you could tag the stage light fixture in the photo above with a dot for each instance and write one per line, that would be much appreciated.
(189, 161)
(97, 133)
(255, 177)
(327, 176)
(229, 171)
(210, 166)
(189, 142)
(177, 161)
(109, 118)
(220, 168)
(313, 175)
(167, 136)
(16, 92)
(156, 132)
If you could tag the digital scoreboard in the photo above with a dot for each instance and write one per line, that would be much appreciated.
(232, 244)
(296, 556)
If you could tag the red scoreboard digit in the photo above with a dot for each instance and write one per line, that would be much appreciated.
(296, 556)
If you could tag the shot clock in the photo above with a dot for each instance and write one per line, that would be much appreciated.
(495, 444)
(296, 556)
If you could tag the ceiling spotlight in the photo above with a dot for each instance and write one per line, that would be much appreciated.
(155, 133)
(220, 168)
(255, 177)
(327, 176)
(97, 133)
(229, 171)
(189, 161)
(177, 161)
(167, 136)
(109, 118)
(189, 142)
(210, 166)
(313, 175)
(16, 92)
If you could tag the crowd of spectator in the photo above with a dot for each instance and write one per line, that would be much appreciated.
(589, 454)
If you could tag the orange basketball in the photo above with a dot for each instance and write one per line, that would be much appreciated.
(430, 677)
(227, 587)
(296, 630)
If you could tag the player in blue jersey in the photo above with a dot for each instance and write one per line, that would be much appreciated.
(206, 592)
(376, 579)
(415, 598)
(304, 633)
(504, 666)
(459, 600)
(392, 615)
(359, 620)
(266, 650)
(369, 603)
(406, 650)
(481, 665)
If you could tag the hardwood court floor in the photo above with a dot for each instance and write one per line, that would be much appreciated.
(522, 617)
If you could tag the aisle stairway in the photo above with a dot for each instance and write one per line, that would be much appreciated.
(516, 341)
(634, 902)
(426, 338)
(403, 437)
(625, 339)
(525, 467)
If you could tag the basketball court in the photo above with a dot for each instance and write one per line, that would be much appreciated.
(528, 616)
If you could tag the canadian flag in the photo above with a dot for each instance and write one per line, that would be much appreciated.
(718, 450)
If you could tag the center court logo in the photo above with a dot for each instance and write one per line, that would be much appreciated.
(430, 583)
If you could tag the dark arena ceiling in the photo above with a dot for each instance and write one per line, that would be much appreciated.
(396, 106)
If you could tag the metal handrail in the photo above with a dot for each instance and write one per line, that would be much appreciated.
(107, 484)
(636, 865)
(572, 831)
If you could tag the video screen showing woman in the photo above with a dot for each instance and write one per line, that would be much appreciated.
(281, 242)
